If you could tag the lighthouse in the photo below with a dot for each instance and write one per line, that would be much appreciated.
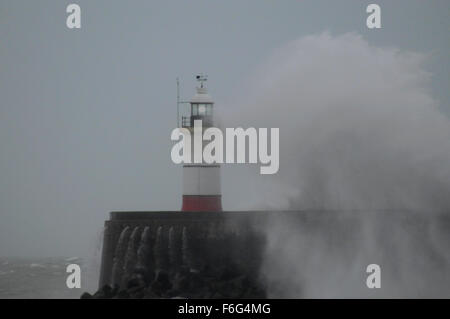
(201, 181)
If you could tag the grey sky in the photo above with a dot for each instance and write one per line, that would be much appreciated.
(86, 115)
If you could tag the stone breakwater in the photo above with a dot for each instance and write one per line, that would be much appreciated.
(181, 254)
(227, 282)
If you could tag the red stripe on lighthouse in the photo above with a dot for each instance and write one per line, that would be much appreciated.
(202, 203)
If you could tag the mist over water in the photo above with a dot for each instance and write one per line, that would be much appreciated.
(362, 137)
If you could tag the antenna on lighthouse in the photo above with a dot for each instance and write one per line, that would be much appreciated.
(178, 102)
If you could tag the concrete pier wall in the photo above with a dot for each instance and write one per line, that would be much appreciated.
(194, 240)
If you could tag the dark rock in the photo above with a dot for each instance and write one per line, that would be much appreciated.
(115, 290)
(136, 281)
(255, 293)
(196, 281)
(229, 272)
(162, 283)
(122, 294)
(172, 293)
(217, 295)
(149, 294)
(137, 292)
(145, 274)
(106, 292)
(86, 295)
(181, 282)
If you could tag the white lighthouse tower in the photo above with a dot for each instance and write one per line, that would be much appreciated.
(201, 181)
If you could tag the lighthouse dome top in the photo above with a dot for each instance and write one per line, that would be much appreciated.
(202, 96)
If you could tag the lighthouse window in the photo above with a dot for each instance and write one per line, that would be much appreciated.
(194, 109)
(201, 109)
